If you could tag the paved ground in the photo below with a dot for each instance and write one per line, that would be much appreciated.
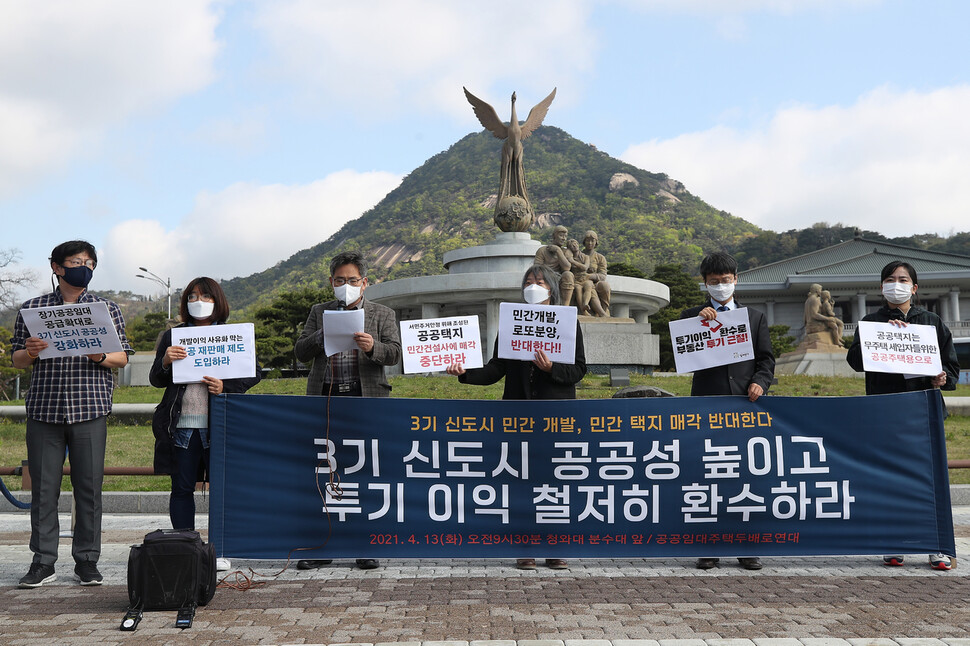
(805, 601)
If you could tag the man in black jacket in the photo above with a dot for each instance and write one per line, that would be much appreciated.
(751, 378)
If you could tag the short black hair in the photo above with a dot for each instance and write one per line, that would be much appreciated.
(209, 287)
(65, 250)
(718, 263)
(349, 258)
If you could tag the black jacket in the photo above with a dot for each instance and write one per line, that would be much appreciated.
(881, 383)
(734, 378)
(170, 408)
(524, 381)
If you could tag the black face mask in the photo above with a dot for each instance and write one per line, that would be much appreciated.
(78, 276)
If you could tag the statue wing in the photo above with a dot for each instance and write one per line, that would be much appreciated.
(536, 115)
(487, 116)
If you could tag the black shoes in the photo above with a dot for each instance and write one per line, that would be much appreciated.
(706, 563)
(37, 576)
(367, 564)
(87, 572)
(307, 564)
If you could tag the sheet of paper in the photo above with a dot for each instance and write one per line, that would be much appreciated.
(700, 344)
(74, 329)
(431, 345)
(220, 351)
(523, 329)
(339, 327)
(912, 351)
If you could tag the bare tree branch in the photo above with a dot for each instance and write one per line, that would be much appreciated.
(12, 278)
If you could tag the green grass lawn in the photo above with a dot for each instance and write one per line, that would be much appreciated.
(133, 445)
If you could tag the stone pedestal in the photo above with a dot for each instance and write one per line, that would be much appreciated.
(816, 355)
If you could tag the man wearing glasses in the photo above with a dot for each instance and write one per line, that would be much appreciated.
(750, 378)
(67, 405)
(354, 373)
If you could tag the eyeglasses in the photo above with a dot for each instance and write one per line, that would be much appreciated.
(354, 282)
(723, 281)
(74, 262)
(193, 297)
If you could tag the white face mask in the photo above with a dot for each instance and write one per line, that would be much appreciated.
(535, 294)
(347, 293)
(200, 310)
(722, 292)
(897, 293)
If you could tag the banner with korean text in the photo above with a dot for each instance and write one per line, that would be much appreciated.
(701, 476)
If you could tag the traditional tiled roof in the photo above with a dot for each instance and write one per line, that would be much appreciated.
(858, 257)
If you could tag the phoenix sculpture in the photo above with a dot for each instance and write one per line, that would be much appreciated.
(513, 212)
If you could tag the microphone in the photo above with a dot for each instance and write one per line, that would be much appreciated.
(341, 305)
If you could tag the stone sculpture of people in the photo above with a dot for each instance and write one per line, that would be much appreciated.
(597, 274)
(815, 321)
(828, 309)
(558, 258)
(585, 293)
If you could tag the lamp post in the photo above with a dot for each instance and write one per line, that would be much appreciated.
(167, 284)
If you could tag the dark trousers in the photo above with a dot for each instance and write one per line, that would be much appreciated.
(46, 444)
(185, 473)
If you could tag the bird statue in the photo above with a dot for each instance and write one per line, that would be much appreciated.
(513, 212)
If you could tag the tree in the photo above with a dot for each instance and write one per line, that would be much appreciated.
(279, 324)
(143, 331)
(781, 341)
(12, 279)
(684, 293)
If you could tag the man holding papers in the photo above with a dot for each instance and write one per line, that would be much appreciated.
(67, 407)
(355, 372)
(752, 377)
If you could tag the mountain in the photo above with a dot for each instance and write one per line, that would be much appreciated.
(642, 218)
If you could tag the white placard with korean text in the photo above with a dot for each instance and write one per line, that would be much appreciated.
(700, 344)
(524, 329)
(431, 345)
(220, 351)
(73, 329)
(912, 350)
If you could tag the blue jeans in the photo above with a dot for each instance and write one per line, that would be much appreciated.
(185, 471)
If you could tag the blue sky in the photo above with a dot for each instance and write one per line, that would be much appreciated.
(220, 137)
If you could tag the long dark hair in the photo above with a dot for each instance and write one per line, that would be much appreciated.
(211, 288)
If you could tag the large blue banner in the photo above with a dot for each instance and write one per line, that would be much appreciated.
(354, 477)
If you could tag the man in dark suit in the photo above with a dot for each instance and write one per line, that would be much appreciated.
(353, 373)
(751, 378)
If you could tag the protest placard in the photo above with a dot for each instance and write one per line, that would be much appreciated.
(74, 329)
(699, 343)
(525, 329)
(431, 345)
(911, 350)
(220, 351)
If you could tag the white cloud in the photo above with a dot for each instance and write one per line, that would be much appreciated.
(894, 162)
(72, 69)
(721, 7)
(383, 56)
(240, 230)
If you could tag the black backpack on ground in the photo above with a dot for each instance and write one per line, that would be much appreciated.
(173, 569)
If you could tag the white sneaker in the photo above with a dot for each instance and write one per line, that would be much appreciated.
(940, 562)
(223, 564)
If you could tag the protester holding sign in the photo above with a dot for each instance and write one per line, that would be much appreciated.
(67, 407)
(181, 420)
(899, 287)
(752, 377)
(536, 379)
